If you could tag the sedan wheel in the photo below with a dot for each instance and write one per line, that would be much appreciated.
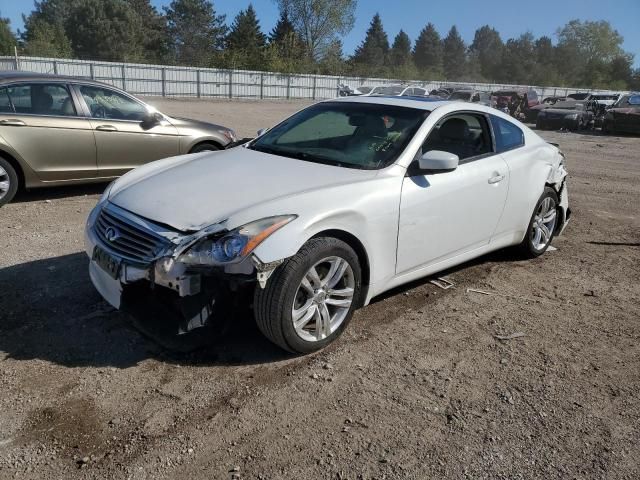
(542, 225)
(8, 182)
(323, 299)
(309, 299)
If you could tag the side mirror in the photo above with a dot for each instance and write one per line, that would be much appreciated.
(262, 131)
(438, 161)
(151, 120)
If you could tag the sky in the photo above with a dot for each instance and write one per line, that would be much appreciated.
(509, 17)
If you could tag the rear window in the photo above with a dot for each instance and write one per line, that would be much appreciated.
(42, 99)
(5, 104)
(508, 135)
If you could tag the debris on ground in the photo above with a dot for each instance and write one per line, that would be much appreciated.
(443, 283)
(511, 336)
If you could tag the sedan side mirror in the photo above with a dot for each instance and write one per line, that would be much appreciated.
(151, 120)
(438, 161)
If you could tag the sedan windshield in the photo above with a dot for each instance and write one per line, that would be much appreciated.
(344, 134)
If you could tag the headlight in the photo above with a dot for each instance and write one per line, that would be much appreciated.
(105, 194)
(231, 135)
(573, 116)
(234, 245)
(542, 113)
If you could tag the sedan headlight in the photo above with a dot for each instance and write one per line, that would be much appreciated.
(235, 245)
(230, 135)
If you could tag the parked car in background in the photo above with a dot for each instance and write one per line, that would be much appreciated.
(473, 96)
(442, 92)
(568, 115)
(599, 103)
(59, 130)
(623, 116)
(578, 96)
(398, 91)
(516, 103)
(337, 204)
(548, 102)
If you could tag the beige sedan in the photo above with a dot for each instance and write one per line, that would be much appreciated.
(61, 130)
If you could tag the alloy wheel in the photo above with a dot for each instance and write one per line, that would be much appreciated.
(5, 183)
(323, 299)
(544, 224)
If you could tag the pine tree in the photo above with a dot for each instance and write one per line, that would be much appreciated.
(427, 52)
(400, 54)
(7, 38)
(152, 32)
(45, 29)
(197, 32)
(488, 47)
(246, 41)
(372, 54)
(453, 59)
(285, 39)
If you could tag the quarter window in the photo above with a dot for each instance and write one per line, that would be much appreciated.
(508, 136)
(107, 103)
(42, 99)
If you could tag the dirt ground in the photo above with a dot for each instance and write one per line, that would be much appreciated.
(418, 387)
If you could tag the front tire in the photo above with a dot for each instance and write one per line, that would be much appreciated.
(205, 147)
(310, 299)
(542, 225)
(8, 182)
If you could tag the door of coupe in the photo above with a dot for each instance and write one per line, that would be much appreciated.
(41, 123)
(446, 214)
(123, 141)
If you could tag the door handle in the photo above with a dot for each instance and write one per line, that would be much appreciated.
(496, 179)
(106, 128)
(13, 123)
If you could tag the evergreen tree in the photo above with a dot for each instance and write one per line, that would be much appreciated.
(332, 63)
(427, 52)
(7, 38)
(152, 31)
(104, 30)
(487, 48)
(246, 41)
(197, 32)
(45, 28)
(453, 58)
(285, 38)
(44, 39)
(372, 54)
(400, 54)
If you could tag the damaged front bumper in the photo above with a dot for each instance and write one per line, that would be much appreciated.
(193, 294)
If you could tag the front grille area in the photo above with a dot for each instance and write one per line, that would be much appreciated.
(127, 239)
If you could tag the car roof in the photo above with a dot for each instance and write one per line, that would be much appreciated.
(421, 103)
(9, 76)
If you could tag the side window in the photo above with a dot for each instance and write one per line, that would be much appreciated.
(106, 103)
(419, 91)
(408, 92)
(42, 99)
(508, 136)
(5, 103)
(465, 135)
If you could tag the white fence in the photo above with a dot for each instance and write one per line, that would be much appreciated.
(163, 80)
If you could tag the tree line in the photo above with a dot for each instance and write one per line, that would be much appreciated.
(307, 39)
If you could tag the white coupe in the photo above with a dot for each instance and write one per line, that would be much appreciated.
(338, 203)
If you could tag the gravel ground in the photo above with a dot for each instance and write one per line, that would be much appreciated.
(418, 387)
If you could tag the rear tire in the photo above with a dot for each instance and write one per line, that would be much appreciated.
(321, 303)
(8, 182)
(542, 225)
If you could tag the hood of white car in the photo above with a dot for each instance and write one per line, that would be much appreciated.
(193, 191)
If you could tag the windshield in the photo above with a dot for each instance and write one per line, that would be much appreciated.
(460, 96)
(344, 134)
(388, 90)
(364, 89)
